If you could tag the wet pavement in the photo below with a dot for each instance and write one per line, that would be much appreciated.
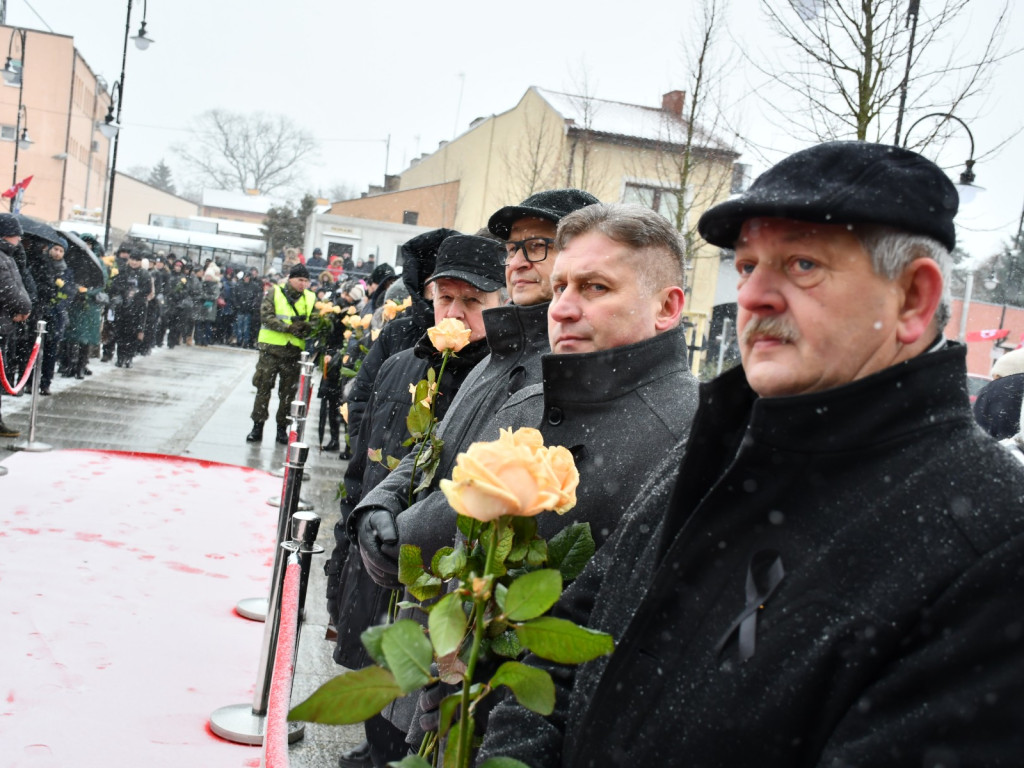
(195, 402)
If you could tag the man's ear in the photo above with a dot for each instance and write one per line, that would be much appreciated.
(670, 308)
(922, 285)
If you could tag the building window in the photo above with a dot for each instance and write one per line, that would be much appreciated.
(8, 132)
(410, 217)
(664, 201)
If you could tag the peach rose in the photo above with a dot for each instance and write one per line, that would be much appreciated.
(513, 475)
(391, 310)
(450, 334)
(365, 321)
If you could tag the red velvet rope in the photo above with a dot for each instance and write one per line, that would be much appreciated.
(275, 739)
(28, 370)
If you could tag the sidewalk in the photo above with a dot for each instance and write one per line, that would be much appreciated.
(195, 402)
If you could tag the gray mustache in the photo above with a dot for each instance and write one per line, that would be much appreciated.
(776, 327)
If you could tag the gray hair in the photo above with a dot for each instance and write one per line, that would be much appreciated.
(637, 227)
(892, 250)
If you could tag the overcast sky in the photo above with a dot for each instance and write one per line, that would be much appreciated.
(355, 73)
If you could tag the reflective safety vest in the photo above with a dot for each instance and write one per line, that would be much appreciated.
(286, 313)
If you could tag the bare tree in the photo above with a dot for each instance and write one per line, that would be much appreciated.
(582, 164)
(532, 163)
(854, 55)
(247, 151)
(691, 161)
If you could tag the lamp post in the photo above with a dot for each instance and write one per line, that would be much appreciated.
(112, 124)
(15, 73)
(966, 187)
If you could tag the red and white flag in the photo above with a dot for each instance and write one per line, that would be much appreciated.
(991, 334)
(20, 186)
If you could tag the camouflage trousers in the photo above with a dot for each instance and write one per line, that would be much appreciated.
(286, 369)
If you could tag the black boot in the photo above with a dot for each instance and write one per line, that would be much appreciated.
(257, 433)
(334, 444)
(282, 435)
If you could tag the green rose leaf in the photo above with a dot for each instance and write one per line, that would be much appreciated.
(571, 549)
(392, 462)
(449, 562)
(500, 591)
(426, 587)
(533, 595)
(502, 762)
(506, 645)
(349, 698)
(532, 687)
(468, 527)
(562, 641)
(447, 711)
(525, 529)
(447, 624)
(410, 564)
(452, 747)
(408, 653)
(371, 642)
(537, 554)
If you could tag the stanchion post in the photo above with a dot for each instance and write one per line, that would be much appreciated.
(289, 502)
(298, 415)
(31, 444)
(245, 723)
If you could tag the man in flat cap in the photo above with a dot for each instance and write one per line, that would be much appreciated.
(833, 574)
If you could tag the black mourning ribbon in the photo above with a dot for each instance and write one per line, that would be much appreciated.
(757, 596)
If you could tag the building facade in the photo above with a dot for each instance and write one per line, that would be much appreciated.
(618, 152)
(62, 100)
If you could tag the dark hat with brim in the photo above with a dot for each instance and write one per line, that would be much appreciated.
(552, 205)
(381, 273)
(478, 261)
(844, 182)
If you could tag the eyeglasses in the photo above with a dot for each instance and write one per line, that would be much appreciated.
(534, 248)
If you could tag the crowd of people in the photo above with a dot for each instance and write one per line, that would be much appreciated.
(815, 559)
(145, 299)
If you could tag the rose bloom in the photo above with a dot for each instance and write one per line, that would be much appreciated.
(450, 334)
(513, 475)
(391, 310)
(365, 321)
(352, 310)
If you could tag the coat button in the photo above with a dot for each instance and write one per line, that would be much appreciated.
(555, 416)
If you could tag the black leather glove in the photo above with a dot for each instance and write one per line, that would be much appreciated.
(299, 328)
(429, 703)
(378, 546)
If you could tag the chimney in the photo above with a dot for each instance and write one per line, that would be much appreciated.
(672, 102)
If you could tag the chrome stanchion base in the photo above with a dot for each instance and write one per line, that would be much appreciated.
(279, 472)
(3, 471)
(304, 506)
(254, 608)
(32, 446)
(237, 723)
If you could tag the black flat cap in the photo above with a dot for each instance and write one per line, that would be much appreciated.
(551, 205)
(478, 261)
(381, 273)
(844, 182)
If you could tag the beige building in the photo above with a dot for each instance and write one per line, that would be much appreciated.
(62, 102)
(618, 152)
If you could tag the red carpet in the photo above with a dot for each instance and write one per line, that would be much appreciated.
(118, 579)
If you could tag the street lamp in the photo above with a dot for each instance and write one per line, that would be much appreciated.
(14, 73)
(112, 124)
(966, 188)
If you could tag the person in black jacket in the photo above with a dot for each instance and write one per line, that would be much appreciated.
(469, 278)
(834, 574)
(15, 304)
(130, 292)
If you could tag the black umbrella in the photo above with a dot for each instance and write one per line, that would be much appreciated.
(38, 229)
(89, 270)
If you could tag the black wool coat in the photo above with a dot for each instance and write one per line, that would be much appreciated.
(834, 579)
